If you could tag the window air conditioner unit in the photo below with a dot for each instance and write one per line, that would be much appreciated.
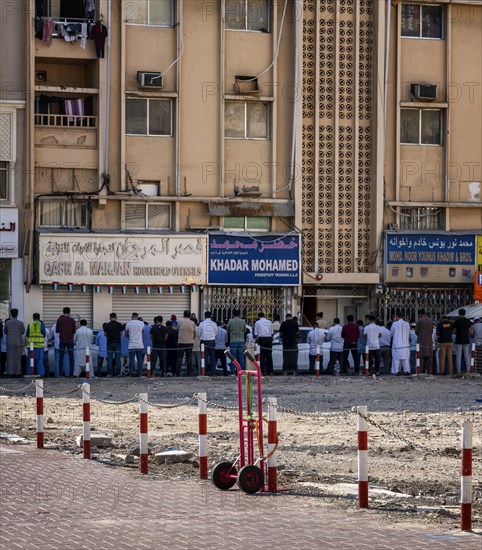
(425, 92)
(149, 80)
(246, 85)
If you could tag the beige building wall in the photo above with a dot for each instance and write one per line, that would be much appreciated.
(196, 164)
(13, 93)
(446, 176)
(465, 168)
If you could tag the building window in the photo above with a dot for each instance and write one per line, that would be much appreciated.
(157, 13)
(63, 214)
(246, 120)
(4, 180)
(65, 9)
(420, 218)
(149, 117)
(247, 15)
(246, 223)
(147, 216)
(421, 126)
(422, 21)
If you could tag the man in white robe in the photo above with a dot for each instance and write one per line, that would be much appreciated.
(83, 339)
(400, 345)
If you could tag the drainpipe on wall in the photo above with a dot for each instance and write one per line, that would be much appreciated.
(29, 153)
(387, 52)
(105, 174)
(295, 85)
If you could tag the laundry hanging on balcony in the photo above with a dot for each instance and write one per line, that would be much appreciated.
(69, 32)
(99, 33)
(47, 31)
(74, 108)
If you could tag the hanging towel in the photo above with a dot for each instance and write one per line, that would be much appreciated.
(74, 108)
(83, 36)
(48, 31)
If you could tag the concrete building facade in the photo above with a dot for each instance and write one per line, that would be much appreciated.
(13, 98)
(285, 156)
(160, 134)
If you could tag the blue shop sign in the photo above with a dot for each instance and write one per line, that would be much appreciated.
(263, 260)
(430, 249)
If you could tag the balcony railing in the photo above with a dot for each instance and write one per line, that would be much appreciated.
(73, 23)
(74, 121)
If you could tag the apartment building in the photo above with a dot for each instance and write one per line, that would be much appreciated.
(161, 158)
(277, 155)
(433, 164)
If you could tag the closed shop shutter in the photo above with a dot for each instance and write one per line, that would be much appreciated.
(80, 304)
(149, 306)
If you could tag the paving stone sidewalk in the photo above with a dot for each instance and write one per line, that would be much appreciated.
(50, 500)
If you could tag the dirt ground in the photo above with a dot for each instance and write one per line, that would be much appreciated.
(414, 446)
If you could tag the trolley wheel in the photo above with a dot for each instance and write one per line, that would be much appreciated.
(250, 479)
(224, 475)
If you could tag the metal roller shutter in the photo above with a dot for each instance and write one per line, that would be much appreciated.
(149, 306)
(80, 304)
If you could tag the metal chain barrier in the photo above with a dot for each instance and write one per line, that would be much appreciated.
(315, 414)
(17, 391)
(187, 401)
(443, 454)
(196, 396)
(63, 393)
(133, 399)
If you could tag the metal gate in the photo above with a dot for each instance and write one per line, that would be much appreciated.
(149, 306)
(54, 301)
(408, 301)
(249, 300)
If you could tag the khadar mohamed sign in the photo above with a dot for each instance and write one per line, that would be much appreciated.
(416, 258)
(122, 259)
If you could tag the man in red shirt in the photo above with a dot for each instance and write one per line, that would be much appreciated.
(350, 334)
(66, 328)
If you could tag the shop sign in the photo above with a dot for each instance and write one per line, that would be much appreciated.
(429, 258)
(8, 233)
(122, 259)
(478, 286)
(257, 261)
(479, 252)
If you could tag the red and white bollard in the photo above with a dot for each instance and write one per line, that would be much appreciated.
(203, 361)
(472, 359)
(86, 419)
(148, 361)
(39, 425)
(32, 359)
(272, 442)
(417, 358)
(203, 433)
(367, 362)
(317, 361)
(87, 363)
(362, 457)
(143, 434)
(466, 479)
